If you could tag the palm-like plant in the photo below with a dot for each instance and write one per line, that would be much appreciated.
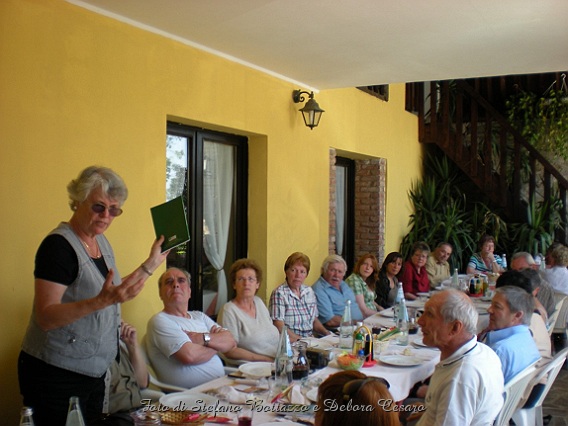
(537, 233)
(440, 213)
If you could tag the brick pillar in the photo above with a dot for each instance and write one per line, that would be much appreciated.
(332, 201)
(370, 207)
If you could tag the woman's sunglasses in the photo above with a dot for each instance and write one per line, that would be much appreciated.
(100, 208)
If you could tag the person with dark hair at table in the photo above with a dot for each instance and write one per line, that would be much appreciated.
(387, 285)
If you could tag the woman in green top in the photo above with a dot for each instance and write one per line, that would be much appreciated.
(362, 282)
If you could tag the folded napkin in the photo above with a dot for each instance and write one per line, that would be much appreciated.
(295, 396)
(233, 395)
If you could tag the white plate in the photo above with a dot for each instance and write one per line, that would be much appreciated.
(312, 394)
(419, 343)
(420, 294)
(282, 423)
(256, 369)
(188, 400)
(400, 360)
(387, 313)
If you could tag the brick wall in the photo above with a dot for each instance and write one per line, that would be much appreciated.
(370, 185)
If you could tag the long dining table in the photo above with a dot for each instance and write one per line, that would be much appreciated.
(415, 307)
(401, 377)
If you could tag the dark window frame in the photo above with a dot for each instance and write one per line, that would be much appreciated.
(194, 211)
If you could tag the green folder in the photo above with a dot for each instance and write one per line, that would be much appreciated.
(171, 222)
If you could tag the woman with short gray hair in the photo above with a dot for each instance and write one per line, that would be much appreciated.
(72, 337)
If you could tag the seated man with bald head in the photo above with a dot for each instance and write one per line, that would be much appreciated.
(182, 345)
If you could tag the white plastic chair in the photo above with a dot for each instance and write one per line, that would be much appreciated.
(561, 311)
(533, 416)
(164, 387)
(514, 391)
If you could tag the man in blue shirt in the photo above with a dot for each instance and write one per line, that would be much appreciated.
(332, 293)
(509, 336)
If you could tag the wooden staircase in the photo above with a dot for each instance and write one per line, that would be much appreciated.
(466, 119)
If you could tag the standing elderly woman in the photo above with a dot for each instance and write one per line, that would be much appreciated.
(246, 316)
(362, 282)
(387, 285)
(293, 303)
(415, 277)
(485, 261)
(72, 337)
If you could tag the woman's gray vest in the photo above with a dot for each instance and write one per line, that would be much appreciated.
(88, 345)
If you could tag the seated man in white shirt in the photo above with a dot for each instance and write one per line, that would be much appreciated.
(467, 385)
(182, 345)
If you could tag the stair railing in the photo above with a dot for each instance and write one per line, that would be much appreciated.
(497, 158)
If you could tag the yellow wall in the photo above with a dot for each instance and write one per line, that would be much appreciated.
(77, 88)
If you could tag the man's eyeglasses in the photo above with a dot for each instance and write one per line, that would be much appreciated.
(352, 387)
(100, 208)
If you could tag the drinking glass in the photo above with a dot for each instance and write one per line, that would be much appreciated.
(379, 347)
(244, 416)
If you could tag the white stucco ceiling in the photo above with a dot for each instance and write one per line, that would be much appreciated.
(324, 44)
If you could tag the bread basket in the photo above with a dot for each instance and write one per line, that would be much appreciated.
(182, 418)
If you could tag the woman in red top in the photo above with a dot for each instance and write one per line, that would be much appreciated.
(414, 276)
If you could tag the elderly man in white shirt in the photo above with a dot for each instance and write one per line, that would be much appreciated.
(182, 345)
(467, 385)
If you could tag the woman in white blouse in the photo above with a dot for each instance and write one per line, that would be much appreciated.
(247, 317)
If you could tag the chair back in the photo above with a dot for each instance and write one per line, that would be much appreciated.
(561, 310)
(164, 387)
(514, 391)
(550, 371)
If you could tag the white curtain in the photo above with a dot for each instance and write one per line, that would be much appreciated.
(339, 208)
(218, 176)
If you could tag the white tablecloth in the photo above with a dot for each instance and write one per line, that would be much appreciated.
(401, 379)
(385, 318)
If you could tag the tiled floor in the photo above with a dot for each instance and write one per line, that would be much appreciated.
(556, 402)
